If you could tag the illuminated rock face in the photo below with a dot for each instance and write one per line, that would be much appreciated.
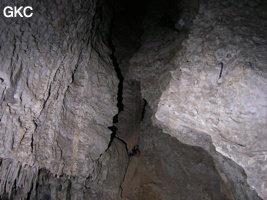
(169, 169)
(217, 90)
(58, 95)
(200, 66)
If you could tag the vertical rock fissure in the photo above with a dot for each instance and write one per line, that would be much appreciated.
(120, 77)
(117, 69)
(144, 109)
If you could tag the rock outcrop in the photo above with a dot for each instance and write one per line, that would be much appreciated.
(58, 97)
(168, 169)
(212, 92)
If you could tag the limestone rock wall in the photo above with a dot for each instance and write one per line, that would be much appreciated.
(220, 88)
(159, 44)
(205, 82)
(169, 169)
(215, 95)
(58, 93)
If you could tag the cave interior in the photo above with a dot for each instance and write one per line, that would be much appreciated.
(138, 47)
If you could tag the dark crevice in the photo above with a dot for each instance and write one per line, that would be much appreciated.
(30, 192)
(144, 109)
(32, 142)
(32, 138)
(114, 135)
(37, 187)
(120, 85)
(220, 75)
(125, 33)
(117, 70)
(69, 189)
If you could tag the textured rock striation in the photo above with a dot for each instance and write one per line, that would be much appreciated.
(58, 97)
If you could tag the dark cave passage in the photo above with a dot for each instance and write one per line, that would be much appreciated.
(127, 28)
(136, 25)
(129, 21)
(131, 26)
(124, 39)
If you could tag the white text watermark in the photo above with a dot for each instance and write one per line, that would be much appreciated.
(18, 12)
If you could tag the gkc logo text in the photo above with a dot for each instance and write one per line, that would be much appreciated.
(21, 11)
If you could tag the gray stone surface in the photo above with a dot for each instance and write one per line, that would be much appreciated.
(220, 86)
(168, 169)
(217, 85)
(58, 93)
(204, 81)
